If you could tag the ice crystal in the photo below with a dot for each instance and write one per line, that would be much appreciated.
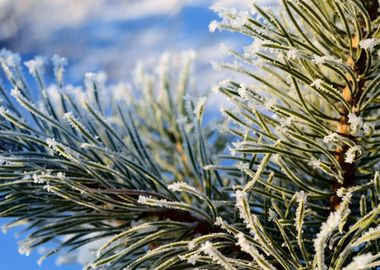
(142, 199)
(35, 66)
(59, 64)
(51, 142)
(332, 138)
(251, 250)
(241, 200)
(24, 248)
(353, 153)
(293, 54)
(218, 221)
(37, 179)
(243, 92)
(193, 259)
(323, 59)
(270, 103)
(272, 215)
(9, 58)
(360, 262)
(315, 163)
(243, 166)
(318, 59)
(301, 196)
(215, 88)
(240, 19)
(47, 187)
(61, 175)
(371, 231)
(251, 50)
(356, 123)
(215, 255)
(180, 186)
(369, 44)
(370, 235)
(317, 84)
(213, 26)
(285, 124)
(328, 228)
(198, 109)
(96, 80)
(191, 245)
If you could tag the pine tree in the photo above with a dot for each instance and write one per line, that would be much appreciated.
(148, 180)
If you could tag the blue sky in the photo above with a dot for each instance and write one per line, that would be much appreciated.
(108, 35)
(113, 35)
(10, 259)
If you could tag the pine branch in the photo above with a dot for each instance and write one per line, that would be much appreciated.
(299, 188)
(360, 68)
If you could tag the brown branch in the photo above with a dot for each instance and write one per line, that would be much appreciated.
(343, 127)
(201, 226)
(372, 7)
